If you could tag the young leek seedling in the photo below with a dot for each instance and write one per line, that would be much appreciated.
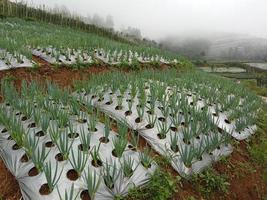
(52, 175)
(92, 181)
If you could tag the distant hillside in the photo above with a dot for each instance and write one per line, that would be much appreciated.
(220, 46)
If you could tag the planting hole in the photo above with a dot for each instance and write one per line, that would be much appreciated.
(44, 189)
(149, 126)
(82, 121)
(72, 175)
(24, 158)
(104, 140)
(227, 121)
(127, 113)
(97, 163)
(176, 149)
(186, 142)
(59, 157)
(49, 144)
(161, 136)
(33, 172)
(95, 130)
(131, 147)
(73, 135)
(85, 195)
(109, 103)
(160, 107)
(16, 147)
(162, 119)
(24, 118)
(220, 130)
(81, 147)
(149, 112)
(39, 134)
(174, 129)
(114, 153)
(4, 130)
(138, 120)
(118, 108)
(146, 166)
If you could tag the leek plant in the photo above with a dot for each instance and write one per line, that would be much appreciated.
(187, 154)
(92, 181)
(140, 111)
(85, 140)
(145, 158)
(107, 129)
(119, 146)
(78, 161)
(122, 129)
(44, 122)
(30, 145)
(174, 142)
(96, 159)
(64, 144)
(134, 140)
(52, 176)
(110, 174)
(54, 133)
(38, 157)
(163, 129)
(92, 123)
(127, 165)
(68, 195)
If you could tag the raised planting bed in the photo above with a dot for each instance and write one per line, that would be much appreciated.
(56, 149)
(175, 121)
(13, 60)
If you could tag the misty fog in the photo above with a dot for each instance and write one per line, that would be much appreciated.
(194, 28)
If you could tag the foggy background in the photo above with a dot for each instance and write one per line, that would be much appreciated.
(232, 29)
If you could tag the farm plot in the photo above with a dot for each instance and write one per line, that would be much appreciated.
(176, 121)
(87, 57)
(57, 149)
(11, 61)
(77, 48)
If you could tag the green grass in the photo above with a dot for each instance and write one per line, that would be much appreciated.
(210, 182)
(252, 85)
(162, 186)
(258, 146)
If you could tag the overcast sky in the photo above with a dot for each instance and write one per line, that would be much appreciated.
(160, 18)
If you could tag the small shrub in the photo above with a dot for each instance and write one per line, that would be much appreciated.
(211, 182)
(162, 185)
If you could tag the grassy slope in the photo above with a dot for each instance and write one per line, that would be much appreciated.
(18, 34)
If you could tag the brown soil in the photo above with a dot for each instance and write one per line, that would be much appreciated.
(85, 195)
(49, 144)
(72, 175)
(59, 157)
(82, 148)
(44, 189)
(245, 179)
(24, 158)
(9, 188)
(33, 172)
(97, 163)
(40, 134)
(104, 140)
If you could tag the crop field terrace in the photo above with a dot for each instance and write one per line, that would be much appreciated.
(92, 116)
